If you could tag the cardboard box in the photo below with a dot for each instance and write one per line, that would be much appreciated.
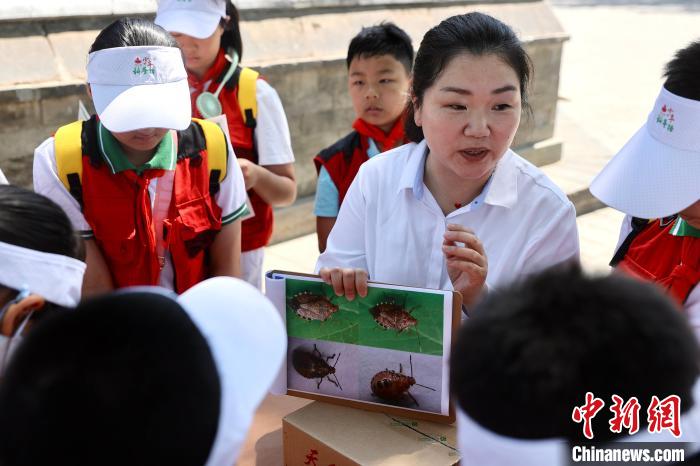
(322, 434)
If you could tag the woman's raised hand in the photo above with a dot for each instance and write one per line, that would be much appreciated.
(467, 264)
(347, 282)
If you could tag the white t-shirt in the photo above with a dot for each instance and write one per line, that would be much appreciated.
(231, 196)
(272, 130)
(390, 224)
(691, 305)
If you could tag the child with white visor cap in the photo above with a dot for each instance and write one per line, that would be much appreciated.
(654, 180)
(143, 377)
(208, 32)
(525, 361)
(41, 267)
(157, 195)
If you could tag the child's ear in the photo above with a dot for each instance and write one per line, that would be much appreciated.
(16, 313)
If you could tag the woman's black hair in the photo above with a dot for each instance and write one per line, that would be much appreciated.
(231, 38)
(474, 33)
(132, 32)
(682, 73)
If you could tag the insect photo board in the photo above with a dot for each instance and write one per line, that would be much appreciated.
(386, 352)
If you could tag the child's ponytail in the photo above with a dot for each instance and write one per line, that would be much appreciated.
(231, 39)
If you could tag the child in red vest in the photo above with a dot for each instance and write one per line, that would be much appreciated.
(655, 176)
(208, 33)
(158, 196)
(379, 62)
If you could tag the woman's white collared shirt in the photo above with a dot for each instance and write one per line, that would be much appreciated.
(390, 224)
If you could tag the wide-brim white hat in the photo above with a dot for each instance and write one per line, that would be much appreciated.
(248, 342)
(140, 87)
(197, 18)
(656, 173)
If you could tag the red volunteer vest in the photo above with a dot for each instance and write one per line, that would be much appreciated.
(342, 160)
(256, 231)
(651, 253)
(117, 208)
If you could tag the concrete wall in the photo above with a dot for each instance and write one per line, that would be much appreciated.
(302, 56)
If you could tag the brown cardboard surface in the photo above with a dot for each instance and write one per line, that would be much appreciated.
(347, 436)
(263, 447)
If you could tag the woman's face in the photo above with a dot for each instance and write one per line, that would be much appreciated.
(470, 114)
(199, 54)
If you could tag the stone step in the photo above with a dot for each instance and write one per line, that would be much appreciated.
(582, 158)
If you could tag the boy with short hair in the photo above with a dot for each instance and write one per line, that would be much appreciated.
(380, 59)
(530, 353)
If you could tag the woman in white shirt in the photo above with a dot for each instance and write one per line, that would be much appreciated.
(456, 208)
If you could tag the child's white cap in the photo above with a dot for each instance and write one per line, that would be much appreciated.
(248, 342)
(196, 18)
(656, 173)
(140, 87)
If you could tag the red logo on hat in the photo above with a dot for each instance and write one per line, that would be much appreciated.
(144, 66)
(666, 118)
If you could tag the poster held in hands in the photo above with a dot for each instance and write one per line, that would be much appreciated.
(385, 352)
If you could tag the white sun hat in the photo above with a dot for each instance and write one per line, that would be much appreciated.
(140, 87)
(196, 18)
(656, 173)
(57, 278)
(248, 342)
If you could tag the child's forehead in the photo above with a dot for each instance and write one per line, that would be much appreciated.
(375, 64)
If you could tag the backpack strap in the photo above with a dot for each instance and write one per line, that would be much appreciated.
(638, 225)
(68, 143)
(247, 98)
(217, 153)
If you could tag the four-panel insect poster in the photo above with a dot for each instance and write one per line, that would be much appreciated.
(386, 352)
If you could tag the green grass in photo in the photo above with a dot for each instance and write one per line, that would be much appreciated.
(340, 326)
(354, 323)
(424, 337)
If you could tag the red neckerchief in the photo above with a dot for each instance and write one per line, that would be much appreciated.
(197, 84)
(395, 138)
(144, 214)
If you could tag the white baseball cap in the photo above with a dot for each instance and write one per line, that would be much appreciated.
(656, 173)
(140, 87)
(196, 18)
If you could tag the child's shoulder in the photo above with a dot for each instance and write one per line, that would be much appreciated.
(345, 145)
